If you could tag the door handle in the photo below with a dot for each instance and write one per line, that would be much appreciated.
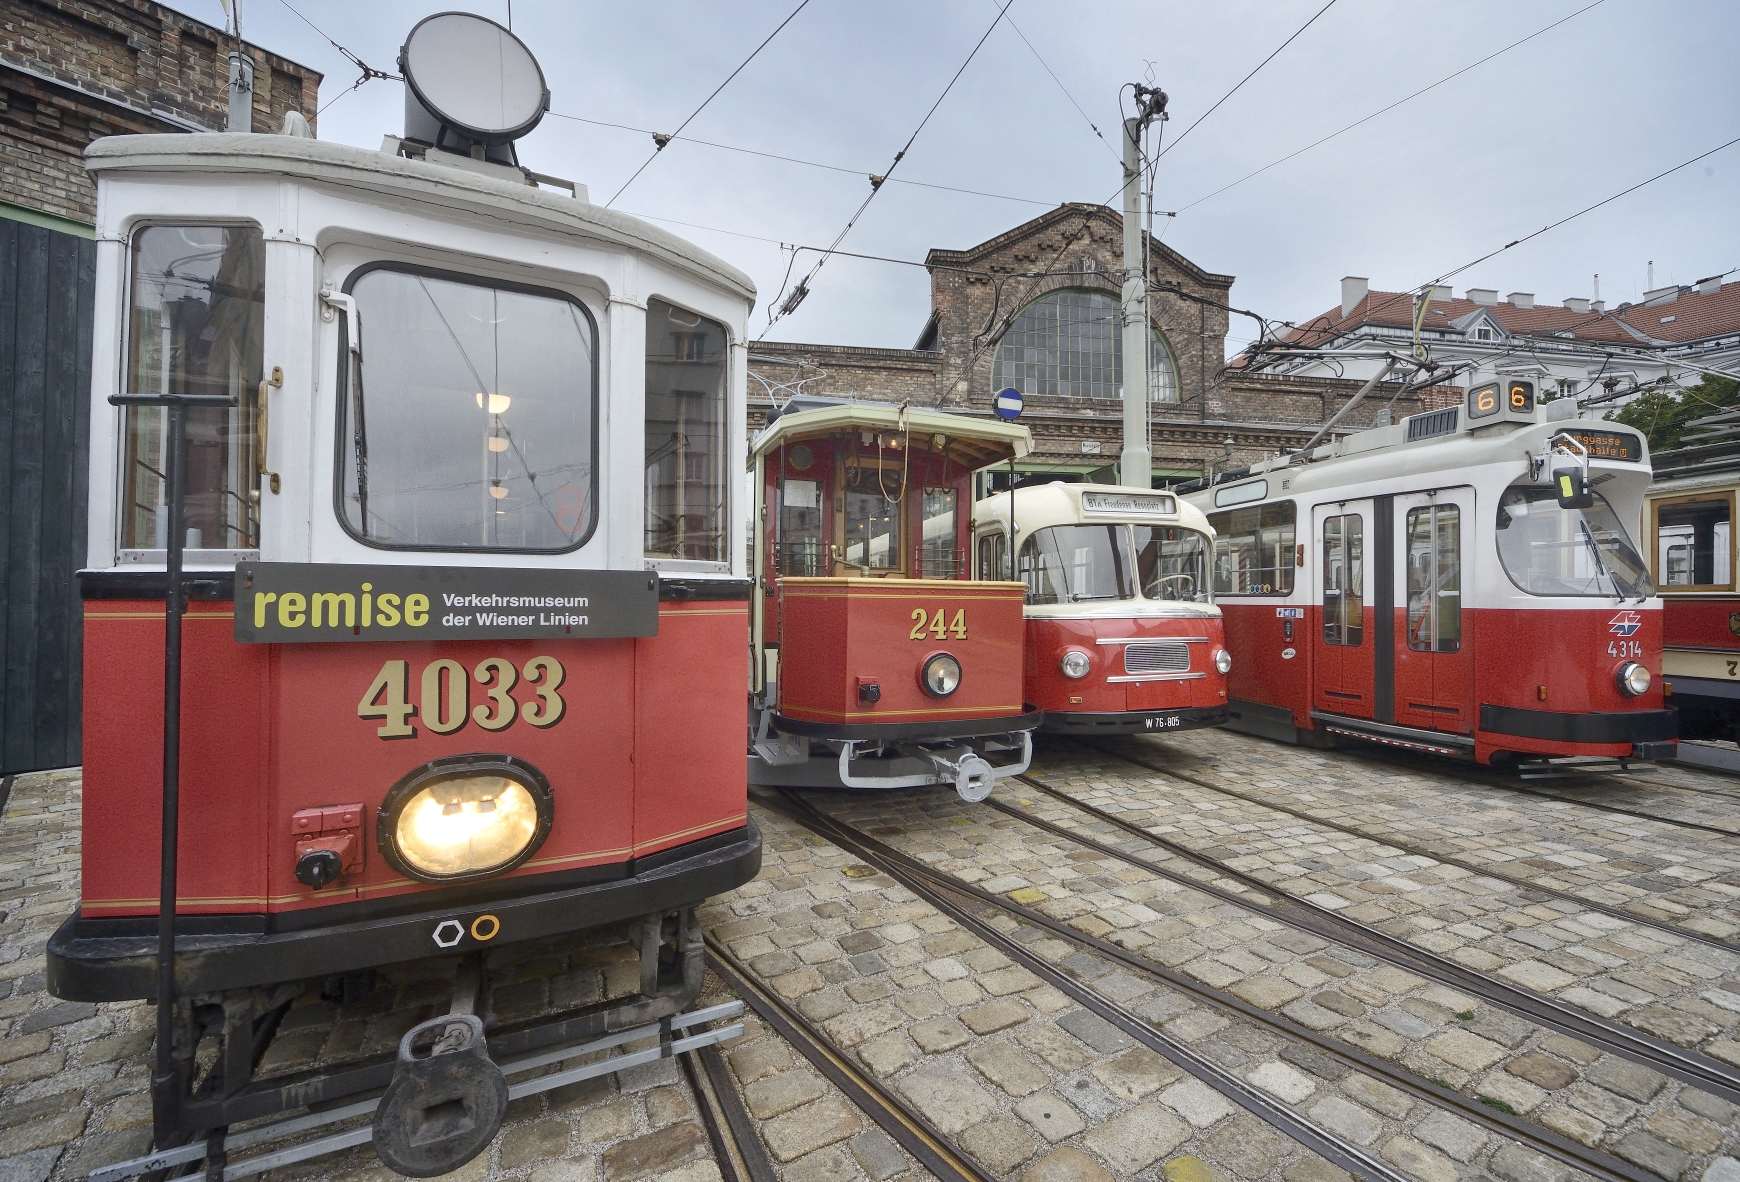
(261, 428)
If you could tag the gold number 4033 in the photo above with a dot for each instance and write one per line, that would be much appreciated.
(445, 699)
(923, 624)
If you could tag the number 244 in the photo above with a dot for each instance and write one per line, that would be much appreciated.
(923, 622)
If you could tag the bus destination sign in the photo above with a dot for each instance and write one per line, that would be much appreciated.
(1608, 445)
(318, 602)
(1140, 504)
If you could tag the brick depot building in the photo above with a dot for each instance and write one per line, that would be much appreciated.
(72, 71)
(1036, 308)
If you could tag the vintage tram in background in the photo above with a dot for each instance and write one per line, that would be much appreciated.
(877, 660)
(1122, 633)
(1689, 538)
(464, 641)
(1463, 582)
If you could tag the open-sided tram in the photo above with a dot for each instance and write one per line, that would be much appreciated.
(1123, 636)
(1463, 583)
(877, 660)
(459, 637)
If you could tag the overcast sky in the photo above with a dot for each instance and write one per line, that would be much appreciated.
(1606, 99)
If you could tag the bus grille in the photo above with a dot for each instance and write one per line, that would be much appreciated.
(1163, 657)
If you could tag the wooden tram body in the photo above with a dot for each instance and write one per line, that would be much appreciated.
(1421, 586)
(1123, 636)
(877, 660)
(1689, 540)
(438, 559)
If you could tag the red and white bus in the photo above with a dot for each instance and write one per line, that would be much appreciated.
(1122, 634)
(1463, 582)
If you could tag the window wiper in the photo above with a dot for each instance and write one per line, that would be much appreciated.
(1595, 550)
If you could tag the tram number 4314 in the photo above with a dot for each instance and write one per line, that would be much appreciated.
(938, 626)
(1625, 648)
(444, 703)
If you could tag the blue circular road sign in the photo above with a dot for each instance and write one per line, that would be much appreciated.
(1008, 404)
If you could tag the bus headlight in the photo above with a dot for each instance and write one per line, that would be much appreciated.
(464, 817)
(941, 675)
(1075, 663)
(1633, 679)
(1223, 660)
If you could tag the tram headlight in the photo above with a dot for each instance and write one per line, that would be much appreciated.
(1075, 663)
(941, 675)
(464, 817)
(1633, 679)
(1223, 660)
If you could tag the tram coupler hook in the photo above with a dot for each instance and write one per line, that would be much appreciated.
(446, 1101)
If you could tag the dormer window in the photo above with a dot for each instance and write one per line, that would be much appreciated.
(1482, 333)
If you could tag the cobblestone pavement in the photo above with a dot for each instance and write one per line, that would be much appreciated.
(1023, 1080)
(1675, 875)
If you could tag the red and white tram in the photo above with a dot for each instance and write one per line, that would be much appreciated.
(1123, 636)
(1463, 582)
(877, 660)
(454, 649)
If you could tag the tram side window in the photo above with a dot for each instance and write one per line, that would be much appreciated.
(1435, 579)
(197, 304)
(1253, 549)
(467, 421)
(994, 557)
(1172, 562)
(800, 529)
(1344, 580)
(1692, 543)
(686, 498)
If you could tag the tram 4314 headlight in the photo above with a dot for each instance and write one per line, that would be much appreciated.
(464, 817)
(1075, 664)
(1633, 679)
(940, 676)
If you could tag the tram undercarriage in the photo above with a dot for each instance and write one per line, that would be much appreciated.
(783, 753)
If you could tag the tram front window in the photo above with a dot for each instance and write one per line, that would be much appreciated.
(1172, 563)
(1077, 563)
(1547, 550)
(872, 530)
(197, 307)
(466, 423)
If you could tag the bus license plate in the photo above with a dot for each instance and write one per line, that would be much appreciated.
(1160, 722)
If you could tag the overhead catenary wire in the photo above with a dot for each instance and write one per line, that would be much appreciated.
(776, 309)
(660, 143)
(1059, 81)
(1245, 79)
(368, 71)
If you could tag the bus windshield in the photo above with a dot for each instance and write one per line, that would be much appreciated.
(1547, 550)
(1077, 563)
(1172, 563)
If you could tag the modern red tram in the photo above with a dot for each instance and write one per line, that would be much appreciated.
(1463, 583)
(1123, 636)
(877, 660)
(435, 462)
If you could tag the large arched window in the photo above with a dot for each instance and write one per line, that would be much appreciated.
(1071, 343)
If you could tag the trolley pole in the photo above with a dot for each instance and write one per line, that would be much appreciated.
(1135, 462)
(166, 1083)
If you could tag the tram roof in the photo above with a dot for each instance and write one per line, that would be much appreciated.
(977, 443)
(317, 161)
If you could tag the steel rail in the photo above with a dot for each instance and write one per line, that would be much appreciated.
(1425, 851)
(1683, 1064)
(736, 1147)
(1573, 1153)
(1613, 808)
(931, 886)
(896, 1118)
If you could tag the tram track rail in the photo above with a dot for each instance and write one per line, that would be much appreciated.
(936, 888)
(1424, 851)
(1681, 1063)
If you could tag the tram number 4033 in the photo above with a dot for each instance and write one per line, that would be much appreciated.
(444, 703)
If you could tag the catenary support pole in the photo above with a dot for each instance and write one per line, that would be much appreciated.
(1135, 463)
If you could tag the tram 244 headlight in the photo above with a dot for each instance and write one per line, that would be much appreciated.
(1633, 679)
(940, 676)
(464, 817)
(1075, 664)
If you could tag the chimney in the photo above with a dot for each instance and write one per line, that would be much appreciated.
(1598, 305)
(1521, 299)
(1441, 292)
(1710, 286)
(1577, 305)
(1487, 296)
(1353, 290)
(1661, 295)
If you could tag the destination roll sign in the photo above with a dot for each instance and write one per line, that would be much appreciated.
(319, 603)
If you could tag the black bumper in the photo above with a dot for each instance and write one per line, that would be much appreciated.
(905, 732)
(1618, 726)
(115, 959)
(1132, 722)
